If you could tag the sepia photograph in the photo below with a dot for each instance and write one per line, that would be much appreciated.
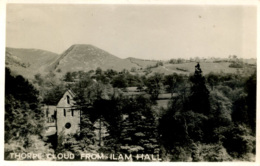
(129, 82)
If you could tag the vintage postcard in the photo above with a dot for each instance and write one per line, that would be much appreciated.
(130, 82)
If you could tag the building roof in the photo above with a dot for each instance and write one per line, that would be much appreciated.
(68, 95)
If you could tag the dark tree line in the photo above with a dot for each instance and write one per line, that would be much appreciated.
(205, 120)
(213, 127)
(23, 117)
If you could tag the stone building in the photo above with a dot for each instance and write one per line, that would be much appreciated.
(50, 120)
(68, 117)
(62, 118)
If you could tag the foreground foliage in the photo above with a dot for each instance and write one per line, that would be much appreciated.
(208, 118)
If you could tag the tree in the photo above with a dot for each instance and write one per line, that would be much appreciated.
(221, 106)
(119, 81)
(53, 95)
(211, 152)
(154, 85)
(251, 101)
(171, 82)
(213, 80)
(86, 137)
(219, 117)
(240, 112)
(24, 118)
(239, 135)
(38, 79)
(179, 128)
(110, 73)
(68, 77)
(99, 71)
(139, 132)
(244, 107)
(132, 80)
(93, 99)
(100, 130)
(84, 93)
(199, 98)
(111, 113)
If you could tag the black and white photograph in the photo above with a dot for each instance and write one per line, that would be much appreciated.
(130, 82)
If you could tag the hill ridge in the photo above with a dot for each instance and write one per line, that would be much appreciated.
(88, 57)
(28, 49)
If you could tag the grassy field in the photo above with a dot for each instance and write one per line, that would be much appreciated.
(141, 63)
(206, 67)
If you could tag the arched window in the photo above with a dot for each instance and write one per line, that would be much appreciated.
(72, 112)
(64, 112)
(68, 99)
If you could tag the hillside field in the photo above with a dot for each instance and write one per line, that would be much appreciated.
(83, 57)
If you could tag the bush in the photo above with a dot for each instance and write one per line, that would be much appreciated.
(210, 152)
(236, 65)
(181, 69)
(239, 142)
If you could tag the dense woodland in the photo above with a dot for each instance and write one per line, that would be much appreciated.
(208, 118)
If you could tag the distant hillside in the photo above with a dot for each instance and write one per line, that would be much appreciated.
(206, 67)
(28, 62)
(81, 57)
(250, 61)
(88, 57)
(142, 63)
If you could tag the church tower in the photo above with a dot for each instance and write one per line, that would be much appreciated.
(68, 118)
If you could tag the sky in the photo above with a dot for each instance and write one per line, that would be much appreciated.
(142, 31)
